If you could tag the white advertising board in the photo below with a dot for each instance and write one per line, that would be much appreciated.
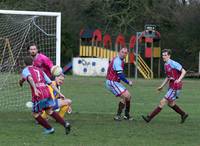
(90, 66)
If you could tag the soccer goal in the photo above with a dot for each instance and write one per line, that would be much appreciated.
(17, 30)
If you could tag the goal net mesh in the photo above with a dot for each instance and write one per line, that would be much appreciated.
(16, 33)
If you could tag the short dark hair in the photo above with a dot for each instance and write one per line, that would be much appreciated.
(28, 60)
(169, 51)
(124, 48)
(31, 44)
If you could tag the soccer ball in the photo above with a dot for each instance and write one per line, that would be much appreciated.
(29, 104)
(56, 70)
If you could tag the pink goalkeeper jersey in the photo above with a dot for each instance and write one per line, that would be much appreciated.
(40, 79)
(44, 63)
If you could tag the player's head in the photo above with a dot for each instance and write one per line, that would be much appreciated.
(123, 52)
(60, 79)
(166, 54)
(28, 60)
(32, 49)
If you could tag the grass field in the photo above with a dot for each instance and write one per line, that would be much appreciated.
(92, 118)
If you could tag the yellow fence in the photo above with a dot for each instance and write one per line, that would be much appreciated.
(143, 68)
(89, 51)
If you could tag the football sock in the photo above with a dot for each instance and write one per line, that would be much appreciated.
(155, 112)
(63, 110)
(178, 109)
(43, 122)
(127, 109)
(120, 108)
(57, 117)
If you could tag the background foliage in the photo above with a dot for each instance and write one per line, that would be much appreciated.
(177, 20)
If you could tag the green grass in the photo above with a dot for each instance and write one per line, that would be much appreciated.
(92, 118)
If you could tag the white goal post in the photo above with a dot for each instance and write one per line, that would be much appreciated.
(199, 62)
(58, 25)
(17, 30)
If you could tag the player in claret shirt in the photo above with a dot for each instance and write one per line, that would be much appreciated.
(174, 75)
(114, 76)
(41, 96)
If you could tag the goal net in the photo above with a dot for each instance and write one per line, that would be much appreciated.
(17, 30)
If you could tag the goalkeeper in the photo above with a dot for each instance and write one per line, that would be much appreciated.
(40, 60)
(63, 105)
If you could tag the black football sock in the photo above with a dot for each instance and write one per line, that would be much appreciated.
(120, 108)
(127, 109)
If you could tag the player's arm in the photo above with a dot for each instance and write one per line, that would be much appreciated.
(21, 81)
(57, 90)
(179, 67)
(49, 82)
(163, 84)
(123, 78)
(25, 73)
(117, 65)
(183, 72)
(32, 83)
(24, 76)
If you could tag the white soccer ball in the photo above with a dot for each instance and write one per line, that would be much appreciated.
(29, 104)
(56, 70)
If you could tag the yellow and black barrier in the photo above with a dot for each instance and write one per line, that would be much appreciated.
(99, 52)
